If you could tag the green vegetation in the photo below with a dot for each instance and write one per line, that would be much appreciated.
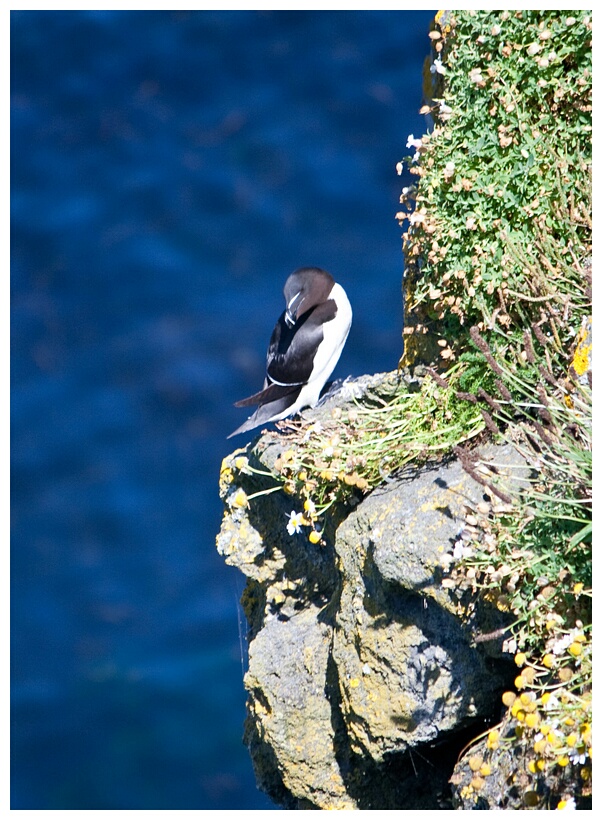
(499, 269)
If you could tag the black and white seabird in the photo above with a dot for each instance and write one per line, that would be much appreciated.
(304, 348)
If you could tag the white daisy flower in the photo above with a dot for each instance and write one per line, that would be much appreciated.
(295, 520)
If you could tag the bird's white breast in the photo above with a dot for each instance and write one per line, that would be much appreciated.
(335, 334)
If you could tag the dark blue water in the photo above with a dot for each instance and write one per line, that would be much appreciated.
(169, 170)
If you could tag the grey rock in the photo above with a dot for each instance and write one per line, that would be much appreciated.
(362, 665)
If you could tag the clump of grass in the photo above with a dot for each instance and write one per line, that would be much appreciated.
(339, 459)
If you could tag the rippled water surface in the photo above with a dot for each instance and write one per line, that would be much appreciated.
(169, 170)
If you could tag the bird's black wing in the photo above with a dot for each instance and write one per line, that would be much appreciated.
(266, 411)
(291, 352)
(272, 392)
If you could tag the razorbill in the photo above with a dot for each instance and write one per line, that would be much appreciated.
(304, 348)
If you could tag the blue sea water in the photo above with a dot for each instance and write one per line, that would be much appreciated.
(168, 171)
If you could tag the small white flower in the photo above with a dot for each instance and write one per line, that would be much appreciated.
(563, 643)
(437, 67)
(510, 646)
(461, 550)
(577, 758)
(294, 523)
(416, 218)
(449, 170)
(569, 804)
(399, 168)
(413, 143)
(444, 108)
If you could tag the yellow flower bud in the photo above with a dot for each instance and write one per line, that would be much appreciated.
(563, 760)
(565, 674)
(528, 674)
(314, 537)
(532, 720)
(475, 762)
(575, 649)
(520, 659)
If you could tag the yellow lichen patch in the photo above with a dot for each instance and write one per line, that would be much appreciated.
(240, 499)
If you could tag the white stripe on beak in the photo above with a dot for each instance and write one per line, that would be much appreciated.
(289, 316)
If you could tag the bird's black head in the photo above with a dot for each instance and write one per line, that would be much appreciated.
(304, 289)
